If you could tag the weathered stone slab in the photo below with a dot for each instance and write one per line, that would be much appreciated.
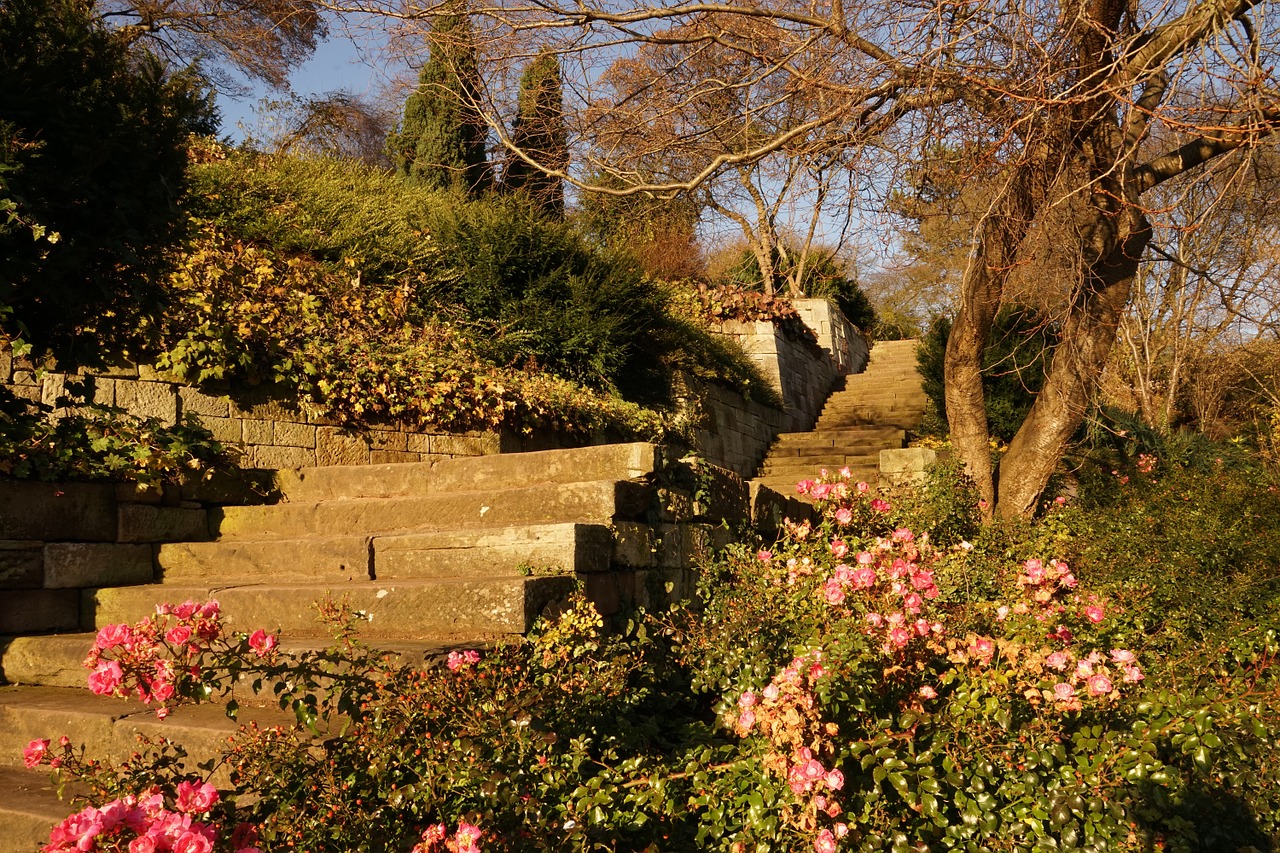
(226, 430)
(51, 660)
(906, 464)
(335, 558)
(21, 564)
(267, 456)
(256, 432)
(157, 400)
(493, 552)
(57, 511)
(142, 523)
(335, 446)
(203, 404)
(70, 565)
(26, 611)
(294, 434)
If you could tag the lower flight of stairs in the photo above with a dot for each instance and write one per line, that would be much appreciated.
(436, 555)
(873, 411)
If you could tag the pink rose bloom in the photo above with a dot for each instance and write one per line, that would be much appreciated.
(922, 580)
(1099, 685)
(813, 770)
(1035, 571)
(186, 609)
(816, 671)
(262, 643)
(833, 592)
(35, 753)
(1002, 613)
(875, 620)
(825, 842)
(899, 637)
(193, 841)
(1062, 633)
(746, 700)
(466, 837)
(143, 844)
(1133, 674)
(902, 534)
(844, 516)
(839, 549)
(982, 649)
(106, 679)
(863, 577)
(927, 692)
(112, 635)
(922, 627)
(863, 488)
(1063, 692)
(1084, 668)
(835, 780)
(1123, 656)
(845, 473)
(764, 556)
(1058, 660)
(178, 635)
(161, 691)
(881, 505)
(196, 799)
(895, 619)
(912, 603)
(746, 720)
(770, 693)
(1094, 613)
(842, 829)
(820, 491)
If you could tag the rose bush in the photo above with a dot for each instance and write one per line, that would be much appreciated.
(855, 685)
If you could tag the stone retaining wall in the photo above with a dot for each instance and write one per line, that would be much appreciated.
(59, 538)
(841, 339)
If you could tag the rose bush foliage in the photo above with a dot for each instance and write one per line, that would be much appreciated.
(854, 685)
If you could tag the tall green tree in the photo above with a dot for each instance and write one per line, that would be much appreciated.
(441, 141)
(539, 134)
(93, 152)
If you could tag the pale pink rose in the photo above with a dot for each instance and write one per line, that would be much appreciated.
(1099, 685)
(845, 473)
(875, 620)
(1035, 571)
(764, 556)
(746, 700)
(196, 799)
(1058, 660)
(770, 693)
(1002, 613)
(863, 577)
(262, 643)
(813, 770)
(111, 636)
(844, 516)
(899, 637)
(865, 558)
(835, 780)
(1063, 692)
(1094, 613)
(927, 692)
(833, 591)
(820, 491)
(825, 842)
(35, 752)
(1084, 668)
(1133, 674)
(902, 534)
(178, 635)
(1123, 656)
(746, 720)
(839, 549)
(895, 619)
(105, 680)
(842, 829)
(922, 627)
(863, 488)
(1068, 580)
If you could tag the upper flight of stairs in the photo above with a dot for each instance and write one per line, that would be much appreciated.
(872, 411)
(436, 555)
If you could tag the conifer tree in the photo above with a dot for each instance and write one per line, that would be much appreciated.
(441, 141)
(539, 132)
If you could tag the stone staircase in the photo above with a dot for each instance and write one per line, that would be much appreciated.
(437, 555)
(873, 411)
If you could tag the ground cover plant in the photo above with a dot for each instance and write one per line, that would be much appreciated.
(909, 681)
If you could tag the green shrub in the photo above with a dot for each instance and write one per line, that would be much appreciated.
(1013, 368)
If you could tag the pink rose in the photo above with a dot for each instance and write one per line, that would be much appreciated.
(1063, 692)
(912, 603)
(863, 488)
(820, 491)
(764, 556)
(833, 592)
(193, 841)
(186, 609)
(1094, 613)
(863, 577)
(881, 505)
(746, 720)
(196, 799)
(875, 620)
(262, 643)
(770, 692)
(143, 844)
(899, 637)
(825, 842)
(1133, 674)
(112, 635)
(844, 516)
(982, 649)
(178, 635)
(835, 780)
(1058, 660)
(1099, 685)
(106, 678)
(927, 692)
(746, 700)
(839, 549)
(1123, 656)
(466, 837)
(35, 753)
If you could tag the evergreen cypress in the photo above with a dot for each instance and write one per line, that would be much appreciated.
(539, 132)
(441, 141)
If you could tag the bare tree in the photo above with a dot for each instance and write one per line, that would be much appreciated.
(262, 39)
(1056, 101)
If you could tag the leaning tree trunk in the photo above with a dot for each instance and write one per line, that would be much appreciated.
(995, 246)
(1113, 244)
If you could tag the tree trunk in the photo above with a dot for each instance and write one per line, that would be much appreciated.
(1088, 334)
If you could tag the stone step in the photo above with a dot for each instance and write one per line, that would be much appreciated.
(56, 660)
(469, 474)
(29, 808)
(412, 609)
(110, 727)
(797, 451)
(796, 473)
(592, 502)
(859, 433)
(831, 460)
(481, 552)
(906, 419)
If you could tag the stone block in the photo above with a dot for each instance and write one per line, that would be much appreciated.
(6, 364)
(265, 456)
(25, 611)
(157, 400)
(260, 405)
(143, 523)
(380, 457)
(53, 389)
(340, 447)
(23, 376)
(383, 439)
(255, 431)
(203, 404)
(26, 392)
(288, 434)
(226, 430)
(83, 512)
(21, 564)
(71, 565)
(104, 391)
(474, 444)
(906, 464)
(633, 544)
(418, 442)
